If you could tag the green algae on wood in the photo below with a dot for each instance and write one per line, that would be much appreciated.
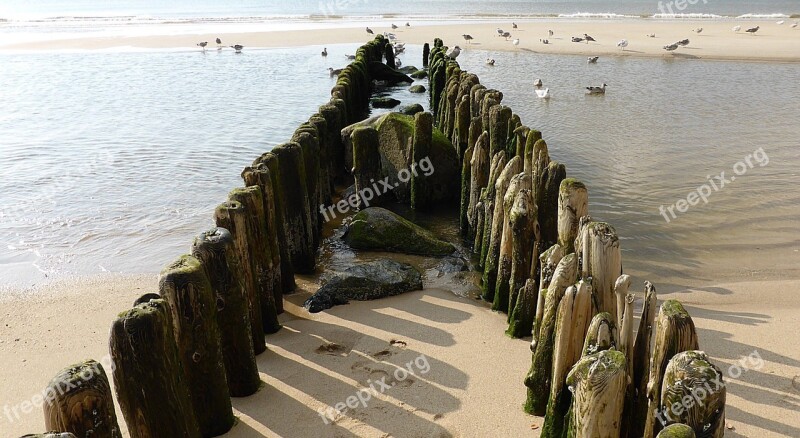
(421, 146)
(693, 393)
(677, 430)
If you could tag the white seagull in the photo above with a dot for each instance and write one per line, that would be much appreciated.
(543, 94)
(453, 53)
(515, 42)
(737, 28)
(537, 83)
(489, 61)
(623, 44)
(780, 22)
(794, 24)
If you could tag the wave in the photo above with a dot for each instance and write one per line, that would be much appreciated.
(689, 16)
(763, 16)
(597, 15)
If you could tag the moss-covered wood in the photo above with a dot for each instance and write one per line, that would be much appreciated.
(601, 335)
(573, 204)
(493, 222)
(152, 389)
(597, 382)
(185, 288)
(292, 185)
(547, 196)
(215, 249)
(641, 361)
(50, 435)
(78, 400)
(499, 118)
(232, 216)
(488, 198)
(308, 138)
(479, 176)
(366, 165)
(548, 262)
(693, 393)
(421, 149)
(502, 295)
(464, 221)
(677, 430)
(426, 52)
(525, 257)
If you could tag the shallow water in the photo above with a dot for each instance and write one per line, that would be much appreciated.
(114, 161)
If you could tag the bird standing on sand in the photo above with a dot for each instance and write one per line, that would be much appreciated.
(219, 44)
(203, 45)
(506, 35)
(515, 42)
(513, 25)
(499, 31)
(408, 24)
(737, 28)
(577, 39)
(468, 38)
(752, 30)
(237, 47)
(543, 94)
(453, 53)
(325, 51)
(671, 47)
(597, 90)
(698, 30)
(651, 35)
(394, 26)
(593, 59)
(794, 24)
(780, 22)
(537, 83)
(545, 41)
(489, 61)
(550, 33)
(623, 44)
(588, 38)
(683, 42)
(369, 31)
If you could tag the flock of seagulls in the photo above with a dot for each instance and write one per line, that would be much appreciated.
(237, 47)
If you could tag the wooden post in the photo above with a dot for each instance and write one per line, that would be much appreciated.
(641, 361)
(488, 198)
(152, 390)
(366, 164)
(693, 393)
(325, 182)
(547, 195)
(260, 176)
(232, 216)
(548, 262)
(420, 149)
(480, 212)
(463, 119)
(426, 52)
(601, 260)
(499, 118)
(308, 138)
(186, 289)
(675, 333)
(502, 295)
(388, 51)
(78, 400)
(573, 204)
(597, 382)
(479, 176)
(252, 200)
(602, 334)
(50, 435)
(621, 286)
(677, 430)
(464, 221)
(215, 249)
(525, 256)
(538, 378)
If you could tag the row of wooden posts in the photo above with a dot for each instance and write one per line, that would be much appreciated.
(557, 274)
(177, 357)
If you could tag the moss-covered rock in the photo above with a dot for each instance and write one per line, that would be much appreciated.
(417, 89)
(419, 74)
(408, 69)
(384, 102)
(378, 229)
(412, 109)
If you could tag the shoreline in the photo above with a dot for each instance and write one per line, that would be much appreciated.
(772, 43)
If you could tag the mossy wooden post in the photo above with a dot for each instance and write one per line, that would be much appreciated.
(335, 121)
(186, 289)
(426, 52)
(463, 119)
(488, 197)
(499, 118)
(152, 390)
(479, 176)
(597, 382)
(677, 430)
(292, 185)
(626, 345)
(480, 212)
(548, 262)
(520, 137)
(464, 223)
(388, 53)
(621, 286)
(693, 393)
(601, 260)
(641, 361)
(601, 335)
(674, 334)
(493, 232)
(573, 204)
(525, 256)
(547, 196)
(325, 181)
(538, 378)
(504, 296)
(50, 435)
(308, 138)
(232, 216)
(216, 250)
(78, 400)
(260, 176)
(257, 248)
(366, 164)
(421, 149)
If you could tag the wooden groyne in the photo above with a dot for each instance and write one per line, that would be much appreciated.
(177, 357)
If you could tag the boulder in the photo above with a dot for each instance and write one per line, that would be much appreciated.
(412, 109)
(419, 74)
(408, 69)
(417, 89)
(378, 229)
(367, 281)
(384, 102)
(379, 71)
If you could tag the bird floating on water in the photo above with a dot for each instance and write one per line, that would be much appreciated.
(468, 38)
(397, 63)
(514, 25)
(390, 36)
(334, 72)
(203, 45)
(325, 51)
(588, 38)
(593, 59)
(515, 42)
(453, 53)
(753, 30)
(623, 44)
(350, 57)
(684, 42)
(537, 83)
(219, 44)
(597, 90)
(237, 47)
(698, 30)
(737, 28)
(671, 47)
(489, 61)
(543, 94)
(369, 31)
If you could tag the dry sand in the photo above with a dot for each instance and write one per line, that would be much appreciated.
(773, 42)
(473, 386)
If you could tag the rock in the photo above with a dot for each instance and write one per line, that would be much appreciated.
(419, 74)
(408, 69)
(451, 265)
(367, 281)
(412, 109)
(379, 71)
(417, 89)
(384, 102)
(378, 229)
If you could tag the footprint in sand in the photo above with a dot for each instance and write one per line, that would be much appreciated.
(398, 343)
(382, 354)
(331, 349)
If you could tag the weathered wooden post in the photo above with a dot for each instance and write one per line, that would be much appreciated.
(426, 52)
(152, 390)
(421, 149)
(677, 430)
(308, 138)
(78, 400)
(216, 250)
(538, 378)
(573, 204)
(502, 295)
(499, 118)
(493, 233)
(601, 260)
(601, 335)
(186, 289)
(464, 220)
(547, 195)
(50, 435)
(693, 393)
(232, 216)
(597, 383)
(480, 212)
(388, 52)
(463, 119)
(674, 334)
(252, 200)
(488, 198)
(525, 256)
(641, 361)
(479, 176)
(366, 164)
(548, 262)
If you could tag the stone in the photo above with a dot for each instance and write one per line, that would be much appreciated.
(417, 89)
(412, 109)
(384, 102)
(378, 229)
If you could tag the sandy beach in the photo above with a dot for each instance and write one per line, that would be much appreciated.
(772, 42)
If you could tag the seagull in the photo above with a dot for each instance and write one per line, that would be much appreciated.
(219, 44)
(671, 47)
(390, 35)
(453, 53)
(515, 42)
(683, 42)
(408, 24)
(325, 51)
(394, 26)
(545, 41)
(593, 59)
(499, 32)
(514, 25)
(237, 47)
(737, 28)
(651, 35)
(334, 72)
(489, 61)
(794, 24)
(537, 83)
(543, 94)
(397, 63)
(698, 30)
(779, 22)
(468, 38)
(506, 35)
(203, 44)
(597, 90)
(752, 30)
(369, 31)
(577, 39)
(588, 38)
(623, 44)
(350, 57)
(550, 33)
